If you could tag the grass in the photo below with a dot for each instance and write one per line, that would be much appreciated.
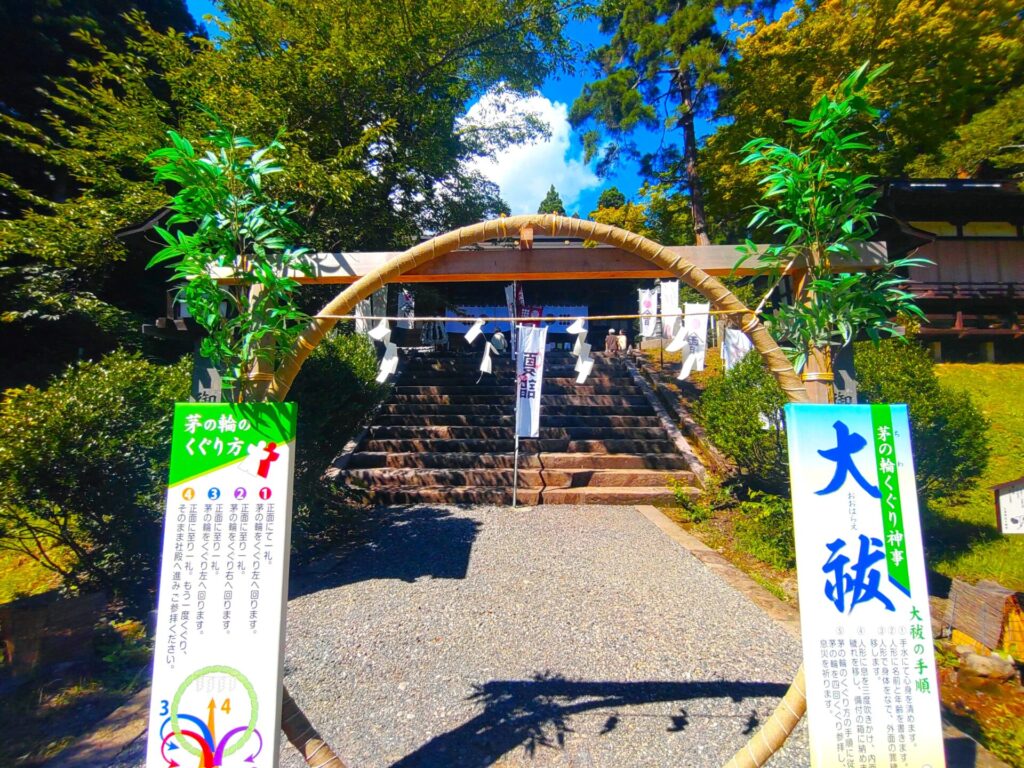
(965, 542)
(21, 576)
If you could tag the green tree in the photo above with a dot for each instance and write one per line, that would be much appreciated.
(950, 61)
(552, 203)
(371, 99)
(233, 225)
(611, 198)
(661, 69)
(820, 207)
(992, 142)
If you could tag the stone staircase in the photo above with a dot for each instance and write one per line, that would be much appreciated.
(443, 438)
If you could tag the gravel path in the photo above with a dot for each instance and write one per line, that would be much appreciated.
(551, 636)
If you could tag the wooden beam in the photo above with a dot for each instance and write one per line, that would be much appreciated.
(544, 262)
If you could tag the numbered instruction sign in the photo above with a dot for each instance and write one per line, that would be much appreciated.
(872, 691)
(223, 586)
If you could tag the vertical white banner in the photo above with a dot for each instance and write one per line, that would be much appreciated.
(406, 309)
(872, 689)
(735, 346)
(362, 311)
(695, 325)
(529, 379)
(669, 306)
(648, 311)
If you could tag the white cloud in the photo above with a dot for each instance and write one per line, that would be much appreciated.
(525, 171)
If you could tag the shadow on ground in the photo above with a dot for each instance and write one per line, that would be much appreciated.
(404, 543)
(536, 713)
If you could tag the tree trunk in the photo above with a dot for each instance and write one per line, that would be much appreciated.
(700, 227)
(818, 375)
(304, 737)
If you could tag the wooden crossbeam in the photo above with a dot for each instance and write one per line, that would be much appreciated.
(547, 262)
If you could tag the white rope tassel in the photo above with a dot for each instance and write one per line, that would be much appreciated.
(487, 365)
(389, 363)
(381, 332)
(475, 330)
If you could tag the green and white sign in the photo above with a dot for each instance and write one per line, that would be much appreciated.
(872, 690)
(223, 587)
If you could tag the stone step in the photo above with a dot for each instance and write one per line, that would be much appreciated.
(418, 459)
(502, 478)
(526, 496)
(411, 432)
(507, 420)
(531, 445)
(619, 401)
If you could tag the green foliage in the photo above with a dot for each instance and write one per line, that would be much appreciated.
(662, 67)
(766, 529)
(948, 431)
(231, 223)
(611, 198)
(552, 203)
(733, 410)
(951, 62)
(713, 497)
(822, 206)
(336, 391)
(992, 140)
(83, 464)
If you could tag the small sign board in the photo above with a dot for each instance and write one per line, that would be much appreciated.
(872, 690)
(1010, 506)
(219, 646)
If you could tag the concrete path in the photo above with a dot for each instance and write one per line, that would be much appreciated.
(550, 636)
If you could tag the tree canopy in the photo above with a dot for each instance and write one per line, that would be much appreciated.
(952, 63)
(552, 203)
(661, 69)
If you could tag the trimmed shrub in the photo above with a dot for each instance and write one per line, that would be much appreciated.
(742, 415)
(83, 468)
(766, 529)
(948, 431)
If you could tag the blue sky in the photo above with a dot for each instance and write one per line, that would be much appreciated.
(524, 173)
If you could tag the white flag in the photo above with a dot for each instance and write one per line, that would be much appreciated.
(585, 367)
(669, 307)
(648, 311)
(529, 379)
(735, 347)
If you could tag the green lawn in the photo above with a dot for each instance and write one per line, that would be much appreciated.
(963, 540)
(21, 576)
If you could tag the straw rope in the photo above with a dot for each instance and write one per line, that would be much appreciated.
(773, 734)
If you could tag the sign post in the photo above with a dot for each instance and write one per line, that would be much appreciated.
(1010, 506)
(219, 651)
(872, 690)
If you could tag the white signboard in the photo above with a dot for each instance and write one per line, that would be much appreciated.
(219, 645)
(529, 379)
(872, 690)
(1010, 506)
